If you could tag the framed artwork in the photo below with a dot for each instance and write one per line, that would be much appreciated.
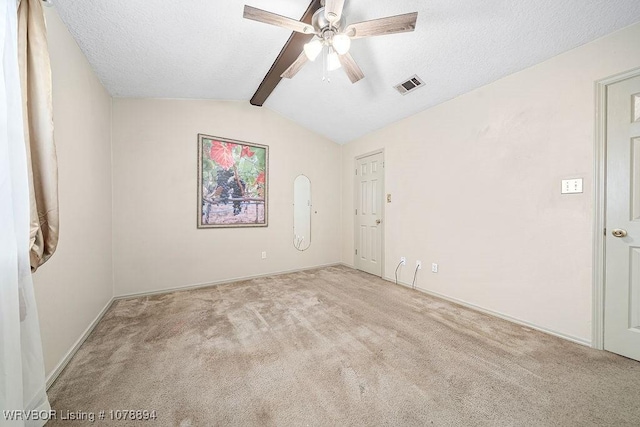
(233, 183)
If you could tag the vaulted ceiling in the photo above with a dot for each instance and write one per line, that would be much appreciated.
(204, 49)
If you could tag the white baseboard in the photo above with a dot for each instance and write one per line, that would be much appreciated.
(219, 282)
(493, 313)
(51, 378)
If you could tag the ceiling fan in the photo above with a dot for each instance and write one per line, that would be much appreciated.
(332, 36)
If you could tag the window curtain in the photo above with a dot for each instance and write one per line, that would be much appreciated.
(35, 77)
(22, 378)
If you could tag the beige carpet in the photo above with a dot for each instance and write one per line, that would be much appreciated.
(335, 346)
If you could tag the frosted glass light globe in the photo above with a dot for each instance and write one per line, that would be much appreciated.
(313, 49)
(333, 63)
(341, 43)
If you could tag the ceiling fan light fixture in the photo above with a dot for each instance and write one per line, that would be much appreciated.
(313, 49)
(341, 43)
(333, 62)
(332, 39)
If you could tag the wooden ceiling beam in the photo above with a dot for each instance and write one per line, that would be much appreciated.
(287, 56)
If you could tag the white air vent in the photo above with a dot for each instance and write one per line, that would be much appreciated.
(410, 85)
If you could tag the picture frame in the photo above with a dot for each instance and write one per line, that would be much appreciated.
(233, 183)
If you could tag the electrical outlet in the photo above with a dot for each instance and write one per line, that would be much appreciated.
(264, 255)
(403, 260)
(434, 268)
(419, 265)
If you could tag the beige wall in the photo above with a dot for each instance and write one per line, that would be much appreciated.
(156, 243)
(476, 189)
(77, 282)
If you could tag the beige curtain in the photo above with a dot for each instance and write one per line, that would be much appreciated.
(35, 79)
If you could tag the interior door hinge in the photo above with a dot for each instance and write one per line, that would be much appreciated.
(356, 211)
(382, 164)
(356, 171)
(356, 252)
(605, 231)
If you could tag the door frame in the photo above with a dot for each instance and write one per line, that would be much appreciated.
(599, 203)
(382, 209)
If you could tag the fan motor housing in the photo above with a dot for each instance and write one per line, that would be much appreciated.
(321, 23)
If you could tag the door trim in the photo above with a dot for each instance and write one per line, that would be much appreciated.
(383, 210)
(599, 203)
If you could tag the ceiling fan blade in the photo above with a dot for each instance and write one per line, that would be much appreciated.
(285, 58)
(383, 26)
(260, 15)
(354, 72)
(333, 10)
(295, 67)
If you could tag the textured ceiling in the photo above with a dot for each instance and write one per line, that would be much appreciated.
(204, 49)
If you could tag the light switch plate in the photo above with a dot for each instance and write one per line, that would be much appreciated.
(572, 186)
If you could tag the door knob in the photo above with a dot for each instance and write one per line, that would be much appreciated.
(618, 232)
(378, 221)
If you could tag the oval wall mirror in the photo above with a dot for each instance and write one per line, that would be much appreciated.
(302, 213)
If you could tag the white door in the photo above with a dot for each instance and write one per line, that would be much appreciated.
(622, 275)
(369, 189)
